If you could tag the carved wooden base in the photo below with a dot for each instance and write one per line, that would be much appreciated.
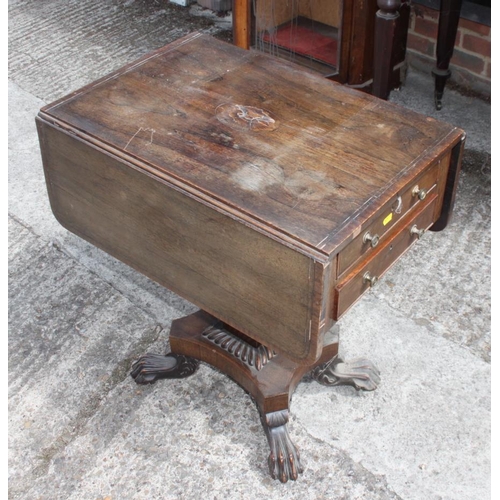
(269, 378)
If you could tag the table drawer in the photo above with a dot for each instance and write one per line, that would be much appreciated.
(349, 290)
(404, 203)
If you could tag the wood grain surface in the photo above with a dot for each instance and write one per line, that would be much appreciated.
(332, 155)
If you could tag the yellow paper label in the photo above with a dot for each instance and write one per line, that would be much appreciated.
(387, 219)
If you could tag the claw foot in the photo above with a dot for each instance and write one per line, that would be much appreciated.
(284, 459)
(360, 373)
(152, 367)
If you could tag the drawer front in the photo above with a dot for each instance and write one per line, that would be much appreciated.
(349, 290)
(402, 205)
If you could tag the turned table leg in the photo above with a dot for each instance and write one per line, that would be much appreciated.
(449, 16)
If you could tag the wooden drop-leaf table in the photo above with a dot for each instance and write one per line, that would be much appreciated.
(266, 195)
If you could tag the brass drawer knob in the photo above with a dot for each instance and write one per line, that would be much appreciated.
(367, 237)
(419, 193)
(416, 231)
(368, 278)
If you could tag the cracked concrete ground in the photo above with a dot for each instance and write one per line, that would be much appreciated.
(79, 428)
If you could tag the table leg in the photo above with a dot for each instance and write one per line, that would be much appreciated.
(449, 16)
(385, 31)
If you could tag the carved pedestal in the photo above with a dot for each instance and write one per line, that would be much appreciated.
(269, 378)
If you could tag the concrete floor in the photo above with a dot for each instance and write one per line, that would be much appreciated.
(79, 427)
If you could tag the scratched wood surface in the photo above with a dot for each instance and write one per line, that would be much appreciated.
(296, 156)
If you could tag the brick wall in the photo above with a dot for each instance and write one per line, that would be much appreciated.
(471, 61)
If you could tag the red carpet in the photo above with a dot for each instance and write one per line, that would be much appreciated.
(306, 42)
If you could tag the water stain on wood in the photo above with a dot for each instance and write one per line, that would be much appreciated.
(258, 175)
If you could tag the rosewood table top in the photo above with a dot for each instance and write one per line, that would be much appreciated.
(290, 153)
